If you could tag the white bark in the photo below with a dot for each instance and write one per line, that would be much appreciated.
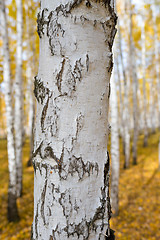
(19, 99)
(157, 66)
(12, 207)
(114, 147)
(152, 107)
(133, 76)
(29, 72)
(144, 84)
(71, 163)
(125, 116)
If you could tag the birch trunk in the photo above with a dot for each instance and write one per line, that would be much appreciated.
(30, 69)
(114, 148)
(152, 107)
(133, 76)
(31, 112)
(71, 163)
(19, 100)
(125, 116)
(12, 205)
(157, 66)
(144, 85)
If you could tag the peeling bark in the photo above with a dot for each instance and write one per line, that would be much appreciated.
(70, 159)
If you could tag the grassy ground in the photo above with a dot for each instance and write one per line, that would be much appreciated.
(139, 212)
(139, 215)
(21, 229)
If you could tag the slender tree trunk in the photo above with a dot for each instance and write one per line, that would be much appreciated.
(12, 205)
(31, 112)
(114, 147)
(152, 107)
(30, 69)
(144, 85)
(157, 66)
(71, 198)
(120, 115)
(133, 76)
(126, 141)
(19, 100)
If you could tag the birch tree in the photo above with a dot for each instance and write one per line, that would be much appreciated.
(71, 163)
(12, 205)
(29, 72)
(144, 83)
(114, 147)
(157, 66)
(125, 116)
(133, 76)
(19, 100)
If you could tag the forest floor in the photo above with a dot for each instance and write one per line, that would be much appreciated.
(139, 211)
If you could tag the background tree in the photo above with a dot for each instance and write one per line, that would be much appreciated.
(12, 193)
(19, 99)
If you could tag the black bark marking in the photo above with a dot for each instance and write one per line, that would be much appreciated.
(88, 4)
(43, 195)
(40, 91)
(41, 22)
(48, 152)
(87, 62)
(80, 229)
(109, 90)
(64, 199)
(67, 84)
(77, 165)
(36, 222)
(59, 76)
(111, 235)
(43, 115)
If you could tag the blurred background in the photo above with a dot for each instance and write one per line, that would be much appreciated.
(134, 142)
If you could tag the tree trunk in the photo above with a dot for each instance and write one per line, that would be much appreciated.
(114, 147)
(133, 76)
(152, 107)
(29, 72)
(71, 164)
(12, 205)
(144, 85)
(157, 66)
(31, 112)
(19, 100)
(125, 116)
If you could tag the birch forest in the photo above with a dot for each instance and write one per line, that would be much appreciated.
(80, 119)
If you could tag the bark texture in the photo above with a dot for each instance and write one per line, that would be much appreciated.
(12, 206)
(19, 100)
(71, 163)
